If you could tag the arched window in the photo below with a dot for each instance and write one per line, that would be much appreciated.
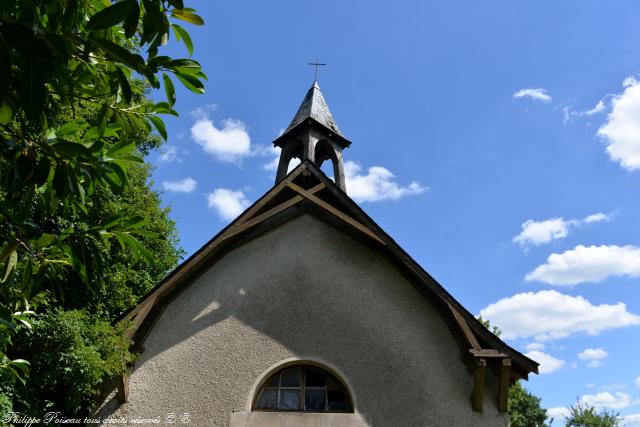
(303, 388)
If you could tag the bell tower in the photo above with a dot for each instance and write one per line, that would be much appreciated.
(313, 135)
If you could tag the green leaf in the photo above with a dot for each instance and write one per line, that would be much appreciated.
(72, 149)
(45, 240)
(159, 124)
(190, 17)
(102, 119)
(178, 4)
(181, 33)
(124, 85)
(135, 222)
(120, 54)
(131, 21)
(169, 89)
(190, 82)
(121, 147)
(131, 159)
(10, 265)
(71, 128)
(5, 113)
(110, 16)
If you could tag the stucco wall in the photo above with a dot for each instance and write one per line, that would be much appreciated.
(305, 290)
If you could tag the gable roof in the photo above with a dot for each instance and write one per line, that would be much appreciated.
(308, 189)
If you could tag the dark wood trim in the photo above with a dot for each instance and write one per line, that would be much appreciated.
(352, 222)
(479, 374)
(503, 385)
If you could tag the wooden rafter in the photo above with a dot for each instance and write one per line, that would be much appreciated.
(271, 212)
(344, 217)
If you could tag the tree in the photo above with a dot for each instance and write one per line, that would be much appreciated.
(524, 408)
(59, 57)
(584, 415)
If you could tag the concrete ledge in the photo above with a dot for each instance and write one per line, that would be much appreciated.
(298, 419)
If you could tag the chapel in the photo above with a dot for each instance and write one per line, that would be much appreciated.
(304, 312)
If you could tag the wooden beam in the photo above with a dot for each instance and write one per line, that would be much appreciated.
(141, 315)
(123, 388)
(464, 326)
(255, 208)
(503, 385)
(488, 353)
(326, 206)
(271, 212)
(479, 374)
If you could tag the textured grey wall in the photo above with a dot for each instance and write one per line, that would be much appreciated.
(304, 290)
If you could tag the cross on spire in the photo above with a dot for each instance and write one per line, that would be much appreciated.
(316, 64)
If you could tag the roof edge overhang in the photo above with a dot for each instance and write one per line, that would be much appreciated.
(311, 123)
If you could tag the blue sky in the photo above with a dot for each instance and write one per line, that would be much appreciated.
(497, 142)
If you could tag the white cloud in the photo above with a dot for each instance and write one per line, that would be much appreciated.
(621, 132)
(535, 346)
(230, 143)
(594, 356)
(376, 185)
(550, 315)
(558, 413)
(637, 381)
(272, 165)
(537, 94)
(547, 362)
(598, 108)
(186, 185)
(227, 203)
(204, 110)
(597, 217)
(607, 400)
(539, 232)
(536, 233)
(168, 154)
(588, 264)
(631, 420)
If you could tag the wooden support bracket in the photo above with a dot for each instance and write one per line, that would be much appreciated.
(503, 386)
(479, 375)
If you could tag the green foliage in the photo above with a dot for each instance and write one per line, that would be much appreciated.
(72, 119)
(127, 277)
(524, 408)
(494, 329)
(583, 415)
(71, 353)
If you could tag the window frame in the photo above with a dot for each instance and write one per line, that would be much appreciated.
(329, 373)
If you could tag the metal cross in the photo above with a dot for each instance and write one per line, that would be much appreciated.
(316, 64)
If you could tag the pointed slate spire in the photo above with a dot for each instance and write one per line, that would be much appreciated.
(313, 135)
(314, 106)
